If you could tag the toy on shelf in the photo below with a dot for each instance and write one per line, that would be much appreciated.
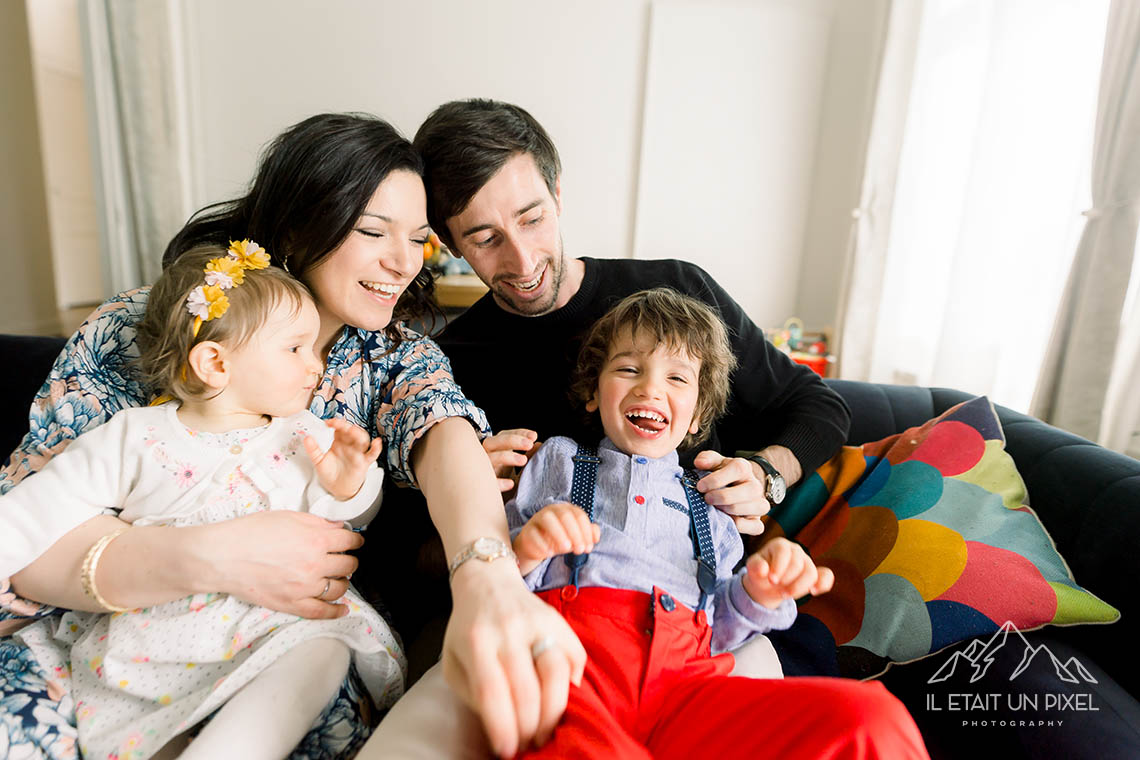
(440, 261)
(456, 286)
(807, 348)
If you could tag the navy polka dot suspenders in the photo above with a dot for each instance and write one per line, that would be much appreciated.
(702, 536)
(582, 484)
(582, 487)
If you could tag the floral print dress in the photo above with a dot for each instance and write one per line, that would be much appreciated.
(396, 395)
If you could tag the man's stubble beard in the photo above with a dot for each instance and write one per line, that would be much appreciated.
(556, 274)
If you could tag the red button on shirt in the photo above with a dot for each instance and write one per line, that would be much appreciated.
(639, 499)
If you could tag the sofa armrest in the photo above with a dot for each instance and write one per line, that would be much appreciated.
(1088, 497)
(26, 361)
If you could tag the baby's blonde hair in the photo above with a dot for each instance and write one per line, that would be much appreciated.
(166, 333)
(674, 320)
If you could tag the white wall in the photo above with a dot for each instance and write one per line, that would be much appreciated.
(577, 67)
(27, 293)
(581, 69)
(252, 67)
(58, 73)
(731, 121)
(857, 35)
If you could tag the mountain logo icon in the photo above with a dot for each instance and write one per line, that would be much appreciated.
(979, 657)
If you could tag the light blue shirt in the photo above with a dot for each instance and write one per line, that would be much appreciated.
(641, 507)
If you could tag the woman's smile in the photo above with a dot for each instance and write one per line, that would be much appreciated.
(360, 282)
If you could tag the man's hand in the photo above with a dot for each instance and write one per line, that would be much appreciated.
(487, 655)
(555, 529)
(733, 487)
(783, 570)
(737, 486)
(342, 469)
(508, 451)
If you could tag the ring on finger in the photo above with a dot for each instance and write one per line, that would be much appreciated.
(540, 646)
(328, 584)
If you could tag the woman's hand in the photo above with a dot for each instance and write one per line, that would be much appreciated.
(487, 655)
(278, 559)
(281, 560)
(497, 626)
(509, 450)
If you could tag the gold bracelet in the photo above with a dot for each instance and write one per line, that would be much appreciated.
(87, 574)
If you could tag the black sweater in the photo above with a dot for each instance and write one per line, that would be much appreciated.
(518, 368)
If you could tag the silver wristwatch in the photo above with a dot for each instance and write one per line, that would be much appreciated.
(486, 548)
(774, 488)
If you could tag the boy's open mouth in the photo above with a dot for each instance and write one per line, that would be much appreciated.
(646, 421)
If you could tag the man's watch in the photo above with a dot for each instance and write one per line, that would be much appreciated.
(486, 548)
(774, 488)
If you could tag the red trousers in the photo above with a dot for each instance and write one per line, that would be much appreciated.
(651, 690)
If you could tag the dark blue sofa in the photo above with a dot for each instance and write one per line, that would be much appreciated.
(1089, 500)
(1087, 497)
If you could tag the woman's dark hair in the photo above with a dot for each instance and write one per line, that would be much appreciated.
(312, 184)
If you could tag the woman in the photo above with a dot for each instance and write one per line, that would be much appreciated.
(337, 201)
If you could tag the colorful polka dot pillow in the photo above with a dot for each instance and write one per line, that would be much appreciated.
(931, 543)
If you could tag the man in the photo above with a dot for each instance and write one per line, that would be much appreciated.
(492, 175)
(493, 180)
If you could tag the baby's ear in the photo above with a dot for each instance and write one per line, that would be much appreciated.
(207, 361)
(592, 404)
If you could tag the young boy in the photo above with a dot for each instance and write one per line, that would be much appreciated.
(647, 564)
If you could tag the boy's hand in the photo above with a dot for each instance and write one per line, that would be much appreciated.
(509, 450)
(342, 469)
(555, 529)
(783, 570)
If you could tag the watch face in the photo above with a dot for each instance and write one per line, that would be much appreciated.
(776, 490)
(486, 546)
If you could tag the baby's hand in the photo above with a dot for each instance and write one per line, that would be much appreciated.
(555, 529)
(783, 570)
(342, 469)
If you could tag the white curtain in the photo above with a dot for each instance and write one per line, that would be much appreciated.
(1120, 424)
(866, 257)
(956, 281)
(137, 101)
(1088, 380)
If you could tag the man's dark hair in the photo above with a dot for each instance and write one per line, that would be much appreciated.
(313, 182)
(463, 144)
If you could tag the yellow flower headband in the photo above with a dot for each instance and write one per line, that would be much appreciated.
(209, 301)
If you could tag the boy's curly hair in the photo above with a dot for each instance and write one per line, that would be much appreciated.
(680, 322)
(166, 333)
